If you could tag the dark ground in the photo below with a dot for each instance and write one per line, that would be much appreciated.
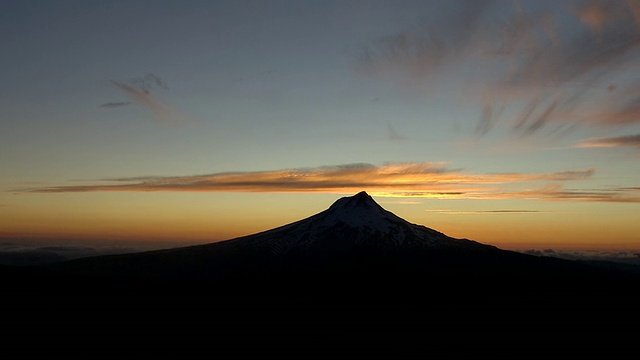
(342, 313)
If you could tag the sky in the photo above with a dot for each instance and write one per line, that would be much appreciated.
(130, 125)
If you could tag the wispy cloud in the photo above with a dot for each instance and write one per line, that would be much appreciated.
(481, 212)
(393, 135)
(548, 192)
(426, 180)
(617, 141)
(114, 104)
(551, 68)
(558, 192)
(142, 91)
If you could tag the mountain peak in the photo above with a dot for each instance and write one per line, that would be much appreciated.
(350, 223)
(360, 210)
(362, 196)
(360, 200)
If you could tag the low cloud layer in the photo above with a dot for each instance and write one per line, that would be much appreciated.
(627, 257)
(432, 180)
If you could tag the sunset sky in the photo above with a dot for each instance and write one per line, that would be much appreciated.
(165, 123)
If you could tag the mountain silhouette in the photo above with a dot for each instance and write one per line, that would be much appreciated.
(354, 265)
(355, 238)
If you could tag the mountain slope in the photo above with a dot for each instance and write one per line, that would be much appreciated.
(352, 232)
(355, 238)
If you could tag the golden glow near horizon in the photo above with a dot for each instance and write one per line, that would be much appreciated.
(201, 218)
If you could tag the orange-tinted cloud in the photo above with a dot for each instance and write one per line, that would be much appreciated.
(557, 192)
(617, 141)
(595, 14)
(427, 180)
(481, 212)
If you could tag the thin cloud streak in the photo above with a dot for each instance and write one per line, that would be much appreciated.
(115, 104)
(482, 212)
(425, 180)
(617, 141)
(557, 192)
(393, 135)
(140, 90)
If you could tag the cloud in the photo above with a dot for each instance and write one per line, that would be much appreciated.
(393, 135)
(621, 256)
(114, 104)
(488, 119)
(141, 90)
(557, 192)
(618, 141)
(538, 69)
(481, 212)
(401, 180)
(548, 192)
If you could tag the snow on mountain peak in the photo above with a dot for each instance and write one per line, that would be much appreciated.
(361, 210)
(359, 200)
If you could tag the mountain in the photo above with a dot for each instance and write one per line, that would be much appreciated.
(354, 237)
(354, 247)
(354, 268)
